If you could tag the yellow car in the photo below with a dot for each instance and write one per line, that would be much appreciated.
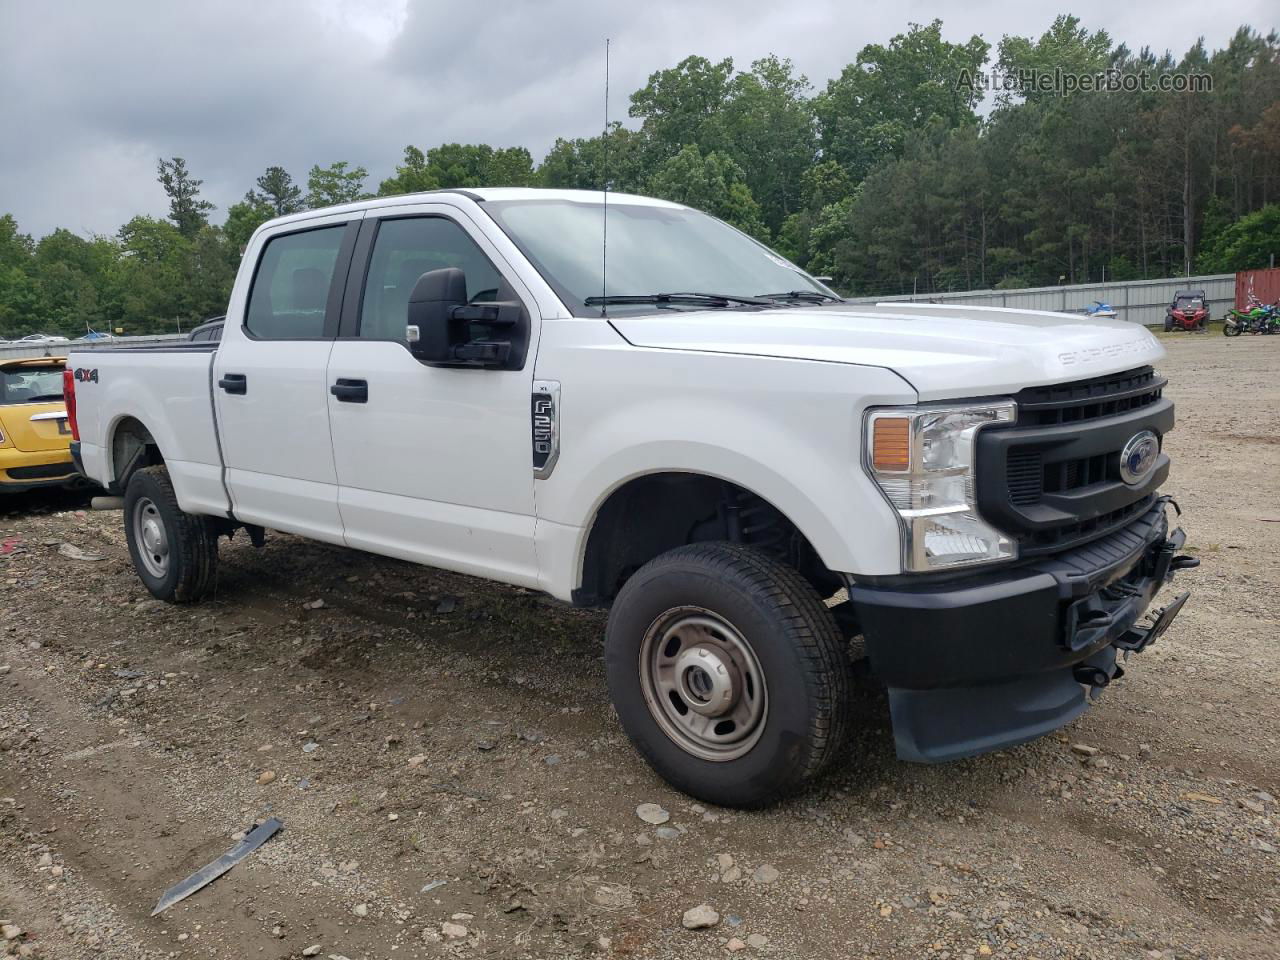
(35, 441)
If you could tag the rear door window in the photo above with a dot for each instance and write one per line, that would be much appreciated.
(290, 290)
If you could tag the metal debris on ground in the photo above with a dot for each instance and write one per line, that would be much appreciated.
(211, 872)
(72, 552)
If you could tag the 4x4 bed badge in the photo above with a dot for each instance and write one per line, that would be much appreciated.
(1138, 457)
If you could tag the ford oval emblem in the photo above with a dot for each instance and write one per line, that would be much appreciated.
(1138, 458)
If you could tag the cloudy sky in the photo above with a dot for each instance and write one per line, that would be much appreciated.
(94, 92)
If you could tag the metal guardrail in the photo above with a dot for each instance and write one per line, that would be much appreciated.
(13, 351)
(1138, 301)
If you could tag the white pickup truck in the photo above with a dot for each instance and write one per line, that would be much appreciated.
(749, 471)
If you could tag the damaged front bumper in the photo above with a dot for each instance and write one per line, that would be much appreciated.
(991, 660)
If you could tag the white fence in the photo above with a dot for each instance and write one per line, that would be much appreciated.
(1139, 301)
(10, 351)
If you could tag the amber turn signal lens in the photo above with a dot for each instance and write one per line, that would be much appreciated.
(891, 444)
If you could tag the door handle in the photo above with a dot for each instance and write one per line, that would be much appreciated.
(234, 383)
(351, 391)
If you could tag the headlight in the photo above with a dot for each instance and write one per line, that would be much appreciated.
(923, 458)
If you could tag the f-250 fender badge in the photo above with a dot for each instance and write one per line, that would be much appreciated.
(86, 376)
(545, 415)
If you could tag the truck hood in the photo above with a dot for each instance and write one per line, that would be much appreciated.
(944, 352)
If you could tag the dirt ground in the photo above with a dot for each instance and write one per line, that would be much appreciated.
(453, 782)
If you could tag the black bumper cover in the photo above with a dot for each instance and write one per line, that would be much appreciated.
(77, 459)
(985, 662)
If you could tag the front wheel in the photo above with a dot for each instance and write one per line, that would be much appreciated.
(728, 673)
(175, 553)
(1230, 329)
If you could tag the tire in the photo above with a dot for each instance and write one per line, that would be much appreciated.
(174, 553)
(1231, 330)
(711, 599)
(1168, 325)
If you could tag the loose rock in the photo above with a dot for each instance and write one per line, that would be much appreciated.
(652, 813)
(454, 931)
(765, 873)
(700, 917)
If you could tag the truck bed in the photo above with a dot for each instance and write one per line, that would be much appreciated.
(167, 388)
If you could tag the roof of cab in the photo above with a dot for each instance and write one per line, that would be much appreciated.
(478, 194)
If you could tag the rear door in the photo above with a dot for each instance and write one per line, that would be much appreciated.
(269, 379)
(32, 415)
(433, 464)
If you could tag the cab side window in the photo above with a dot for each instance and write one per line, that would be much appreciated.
(291, 287)
(403, 251)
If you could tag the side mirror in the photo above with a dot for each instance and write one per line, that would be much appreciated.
(440, 329)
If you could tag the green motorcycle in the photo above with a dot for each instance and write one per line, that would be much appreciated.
(1259, 318)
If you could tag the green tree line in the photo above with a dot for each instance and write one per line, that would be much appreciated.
(907, 172)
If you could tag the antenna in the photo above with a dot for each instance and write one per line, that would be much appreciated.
(604, 210)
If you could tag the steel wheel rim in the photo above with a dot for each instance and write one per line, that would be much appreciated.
(703, 684)
(151, 537)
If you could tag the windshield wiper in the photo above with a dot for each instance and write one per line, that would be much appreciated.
(809, 296)
(699, 299)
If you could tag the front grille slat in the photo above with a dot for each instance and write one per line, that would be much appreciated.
(1026, 476)
(1033, 472)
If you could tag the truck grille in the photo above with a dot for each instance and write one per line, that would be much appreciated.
(1089, 399)
(1052, 479)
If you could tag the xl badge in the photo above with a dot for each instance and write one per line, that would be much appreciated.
(1138, 457)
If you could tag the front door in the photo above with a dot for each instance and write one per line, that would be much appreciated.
(269, 381)
(433, 464)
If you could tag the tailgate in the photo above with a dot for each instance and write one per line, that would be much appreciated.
(35, 427)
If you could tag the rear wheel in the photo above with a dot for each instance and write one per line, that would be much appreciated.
(175, 553)
(728, 673)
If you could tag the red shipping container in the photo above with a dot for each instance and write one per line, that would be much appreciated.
(1263, 284)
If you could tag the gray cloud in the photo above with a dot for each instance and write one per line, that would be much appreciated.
(95, 92)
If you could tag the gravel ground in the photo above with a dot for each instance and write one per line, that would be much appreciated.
(453, 782)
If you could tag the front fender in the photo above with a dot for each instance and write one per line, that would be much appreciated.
(789, 431)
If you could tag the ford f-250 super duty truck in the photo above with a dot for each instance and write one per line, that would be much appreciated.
(698, 435)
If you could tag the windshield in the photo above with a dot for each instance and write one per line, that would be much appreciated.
(651, 249)
(30, 384)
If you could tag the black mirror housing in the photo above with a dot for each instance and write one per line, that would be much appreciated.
(443, 319)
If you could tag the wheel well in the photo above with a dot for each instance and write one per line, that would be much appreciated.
(132, 448)
(658, 512)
